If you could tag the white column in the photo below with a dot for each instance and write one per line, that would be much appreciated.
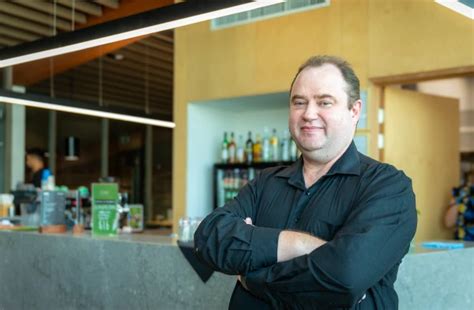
(149, 173)
(14, 138)
(52, 140)
(104, 150)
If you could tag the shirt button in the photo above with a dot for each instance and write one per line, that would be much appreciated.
(308, 193)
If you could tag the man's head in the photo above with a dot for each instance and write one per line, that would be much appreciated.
(35, 159)
(324, 107)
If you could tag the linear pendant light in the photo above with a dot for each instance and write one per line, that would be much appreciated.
(165, 18)
(460, 7)
(44, 102)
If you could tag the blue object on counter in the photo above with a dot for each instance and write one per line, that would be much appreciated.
(443, 245)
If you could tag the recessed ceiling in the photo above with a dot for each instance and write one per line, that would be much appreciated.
(136, 74)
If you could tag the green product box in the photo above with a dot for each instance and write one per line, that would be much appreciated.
(104, 209)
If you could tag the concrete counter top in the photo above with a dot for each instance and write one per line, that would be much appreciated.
(143, 271)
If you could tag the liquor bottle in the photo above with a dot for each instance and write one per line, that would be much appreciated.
(266, 145)
(240, 156)
(257, 149)
(232, 149)
(285, 146)
(293, 150)
(274, 147)
(225, 150)
(249, 149)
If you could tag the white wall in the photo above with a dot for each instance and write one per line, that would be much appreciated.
(207, 122)
(462, 89)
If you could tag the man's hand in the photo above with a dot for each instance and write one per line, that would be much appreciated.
(292, 244)
(240, 278)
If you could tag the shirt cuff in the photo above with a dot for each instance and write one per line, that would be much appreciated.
(264, 246)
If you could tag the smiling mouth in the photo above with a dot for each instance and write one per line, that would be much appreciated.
(311, 128)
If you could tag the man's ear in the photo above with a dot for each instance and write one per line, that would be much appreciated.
(356, 110)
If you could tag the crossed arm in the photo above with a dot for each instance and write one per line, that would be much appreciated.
(281, 266)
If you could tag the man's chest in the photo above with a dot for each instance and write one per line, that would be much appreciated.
(320, 210)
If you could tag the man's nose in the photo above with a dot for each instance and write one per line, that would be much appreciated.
(311, 112)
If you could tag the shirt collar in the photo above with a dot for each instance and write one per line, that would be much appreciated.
(348, 163)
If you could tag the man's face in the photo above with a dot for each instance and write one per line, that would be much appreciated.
(320, 121)
(33, 162)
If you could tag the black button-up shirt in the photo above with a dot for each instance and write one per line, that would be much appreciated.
(363, 208)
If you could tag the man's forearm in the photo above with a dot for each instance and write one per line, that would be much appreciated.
(292, 244)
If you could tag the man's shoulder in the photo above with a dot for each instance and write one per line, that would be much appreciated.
(373, 170)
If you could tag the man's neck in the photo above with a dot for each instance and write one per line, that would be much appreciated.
(313, 170)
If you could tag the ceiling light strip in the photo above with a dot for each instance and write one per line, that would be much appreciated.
(86, 111)
(68, 48)
(457, 7)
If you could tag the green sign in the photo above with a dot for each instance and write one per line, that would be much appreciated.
(104, 209)
(135, 217)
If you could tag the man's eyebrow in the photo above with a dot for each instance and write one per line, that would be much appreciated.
(323, 96)
(294, 97)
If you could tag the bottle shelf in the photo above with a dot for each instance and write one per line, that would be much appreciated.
(230, 178)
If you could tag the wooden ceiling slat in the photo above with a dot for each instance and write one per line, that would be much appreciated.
(9, 41)
(137, 80)
(82, 84)
(47, 7)
(163, 37)
(83, 6)
(113, 4)
(32, 15)
(15, 33)
(25, 25)
(150, 42)
(144, 49)
(90, 96)
(130, 66)
(124, 87)
(152, 60)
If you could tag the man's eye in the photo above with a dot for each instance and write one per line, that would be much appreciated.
(299, 103)
(326, 103)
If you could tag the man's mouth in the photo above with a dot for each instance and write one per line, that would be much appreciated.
(311, 128)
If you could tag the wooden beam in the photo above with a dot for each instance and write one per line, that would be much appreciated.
(48, 7)
(33, 72)
(83, 6)
(113, 4)
(33, 15)
(15, 33)
(25, 25)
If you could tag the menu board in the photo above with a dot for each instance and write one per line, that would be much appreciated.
(104, 209)
(52, 208)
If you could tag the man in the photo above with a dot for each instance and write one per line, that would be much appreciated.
(36, 162)
(327, 232)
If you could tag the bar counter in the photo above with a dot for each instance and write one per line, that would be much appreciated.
(145, 271)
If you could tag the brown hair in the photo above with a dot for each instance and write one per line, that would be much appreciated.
(353, 89)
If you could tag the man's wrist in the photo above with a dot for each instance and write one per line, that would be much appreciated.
(292, 244)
